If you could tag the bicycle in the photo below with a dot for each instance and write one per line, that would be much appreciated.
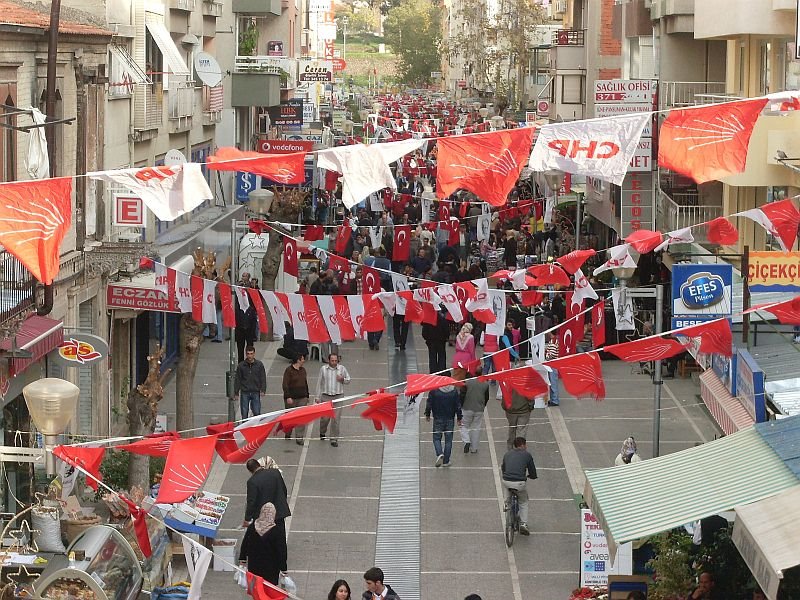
(512, 517)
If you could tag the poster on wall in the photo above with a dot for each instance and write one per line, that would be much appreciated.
(595, 558)
(275, 48)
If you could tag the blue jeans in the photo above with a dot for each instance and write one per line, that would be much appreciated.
(374, 338)
(443, 426)
(554, 387)
(248, 400)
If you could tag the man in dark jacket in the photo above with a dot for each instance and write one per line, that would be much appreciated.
(250, 382)
(246, 330)
(517, 468)
(445, 404)
(266, 485)
(376, 589)
(435, 337)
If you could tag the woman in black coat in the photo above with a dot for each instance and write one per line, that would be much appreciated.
(264, 546)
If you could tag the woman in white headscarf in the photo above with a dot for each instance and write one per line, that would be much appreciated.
(628, 454)
(264, 546)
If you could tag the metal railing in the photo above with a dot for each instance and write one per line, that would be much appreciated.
(148, 106)
(568, 37)
(674, 216)
(691, 93)
(212, 8)
(183, 4)
(181, 100)
(273, 65)
(17, 288)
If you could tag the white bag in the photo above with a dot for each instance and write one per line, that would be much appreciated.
(287, 583)
(240, 577)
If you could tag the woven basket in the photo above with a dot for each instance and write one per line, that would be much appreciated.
(73, 527)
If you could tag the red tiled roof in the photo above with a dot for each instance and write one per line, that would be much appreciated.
(15, 14)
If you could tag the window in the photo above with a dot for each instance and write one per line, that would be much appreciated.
(765, 61)
(572, 89)
(8, 137)
(742, 74)
(154, 60)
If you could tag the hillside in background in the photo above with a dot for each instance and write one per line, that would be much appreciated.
(363, 59)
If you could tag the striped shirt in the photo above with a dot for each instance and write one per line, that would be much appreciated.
(327, 382)
(551, 350)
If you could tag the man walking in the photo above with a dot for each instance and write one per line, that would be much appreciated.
(250, 382)
(376, 589)
(518, 415)
(517, 468)
(330, 386)
(475, 395)
(551, 353)
(266, 485)
(435, 337)
(295, 393)
(445, 405)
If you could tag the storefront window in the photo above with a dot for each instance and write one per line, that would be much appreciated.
(791, 68)
(17, 484)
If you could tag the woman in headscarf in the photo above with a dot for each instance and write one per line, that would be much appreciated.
(264, 546)
(465, 348)
(628, 454)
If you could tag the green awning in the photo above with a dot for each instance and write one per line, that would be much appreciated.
(651, 496)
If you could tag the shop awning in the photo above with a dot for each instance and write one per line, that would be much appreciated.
(38, 335)
(728, 412)
(763, 534)
(656, 495)
(172, 56)
(129, 66)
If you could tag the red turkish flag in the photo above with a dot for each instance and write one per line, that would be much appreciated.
(343, 234)
(381, 409)
(720, 231)
(258, 303)
(417, 383)
(454, 237)
(86, 458)
(787, 312)
(647, 349)
(283, 168)
(34, 217)
(370, 280)
(711, 142)
(644, 240)
(444, 212)
(226, 299)
(598, 324)
(138, 516)
(715, 336)
(567, 340)
(344, 319)
(317, 331)
(314, 233)
(581, 374)
(549, 275)
(157, 444)
(290, 256)
(187, 467)
(373, 315)
(339, 264)
(402, 243)
(574, 260)
(304, 415)
(487, 165)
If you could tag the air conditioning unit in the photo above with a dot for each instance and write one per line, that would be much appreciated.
(560, 7)
(129, 237)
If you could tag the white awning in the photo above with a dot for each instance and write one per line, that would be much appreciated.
(128, 65)
(764, 533)
(172, 56)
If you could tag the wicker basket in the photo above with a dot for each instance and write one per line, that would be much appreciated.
(73, 527)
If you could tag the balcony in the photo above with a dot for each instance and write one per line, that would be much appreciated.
(677, 94)
(181, 105)
(567, 52)
(257, 7)
(148, 107)
(680, 209)
(213, 103)
(257, 80)
(568, 37)
(212, 8)
(17, 289)
(187, 5)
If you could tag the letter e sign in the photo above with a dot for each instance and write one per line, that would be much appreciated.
(128, 211)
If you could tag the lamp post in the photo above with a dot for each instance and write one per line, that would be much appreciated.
(554, 180)
(345, 23)
(51, 403)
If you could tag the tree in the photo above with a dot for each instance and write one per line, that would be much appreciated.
(286, 208)
(413, 30)
(495, 47)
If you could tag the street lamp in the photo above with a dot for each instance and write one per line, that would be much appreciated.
(51, 403)
(345, 22)
(260, 201)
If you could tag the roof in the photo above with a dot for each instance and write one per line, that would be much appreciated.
(38, 16)
(651, 496)
(783, 436)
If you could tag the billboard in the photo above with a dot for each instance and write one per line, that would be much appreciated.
(701, 293)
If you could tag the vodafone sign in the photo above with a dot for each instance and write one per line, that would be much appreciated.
(284, 146)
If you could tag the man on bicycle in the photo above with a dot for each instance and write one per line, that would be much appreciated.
(517, 468)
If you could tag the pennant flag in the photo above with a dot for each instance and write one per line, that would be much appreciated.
(532, 298)
(567, 340)
(303, 415)
(372, 321)
(416, 383)
(356, 306)
(258, 226)
(85, 458)
(290, 265)
(402, 243)
(787, 312)
(497, 298)
(157, 444)
(314, 233)
(381, 409)
(168, 192)
(209, 314)
(481, 305)
(277, 311)
(526, 381)
(343, 233)
(198, 559)
(486, 164)
(162, 275)
(550, 274)
(138, 516)
(598, 148)
(574, 260)
(180, 284)
(720, 231)
(375, 237)
(254, 435)
(188, 463)
(598, 324)
(644, 240)
(449, 298)
(715, 336)
(258, 304)
(242, 297)
(317, 330)
(226, 299)
(710, 142)
(646, 349)
(370, 280)
(196, 284)
(780, 219)
(623, 310)
(282, 168)
(343, 318)
(679, 236)
(327, 309)
(399, 283)
(618, 256)
(34, 217)
(581, 374)
(263, 590)
(583, 290)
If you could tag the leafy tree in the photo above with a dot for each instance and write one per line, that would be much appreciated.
(413, 30)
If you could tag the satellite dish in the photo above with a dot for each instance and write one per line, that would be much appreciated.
(173, 158)
(207, 69)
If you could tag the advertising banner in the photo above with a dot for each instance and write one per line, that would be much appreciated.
(595, 557)
(701, 293)
(288, 112)
(750, 386)
(774, 272)
(316, 70)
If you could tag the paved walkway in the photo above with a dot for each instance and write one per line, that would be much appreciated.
(335, 492)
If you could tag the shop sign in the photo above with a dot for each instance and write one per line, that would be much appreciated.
(288, 112)
(725, 369)
(308, 112)
(615, 110)
(774, 272)
(700, 293)
(314, 70)
(750, 385)
(462, 83)
(753, 556)
(625, 90)
(138, 298)
(636, 203)
(245, 183)
(128, 211)
(314, 138)
(284, 146)
(595, 559)
(79, 350)
(275, 48)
